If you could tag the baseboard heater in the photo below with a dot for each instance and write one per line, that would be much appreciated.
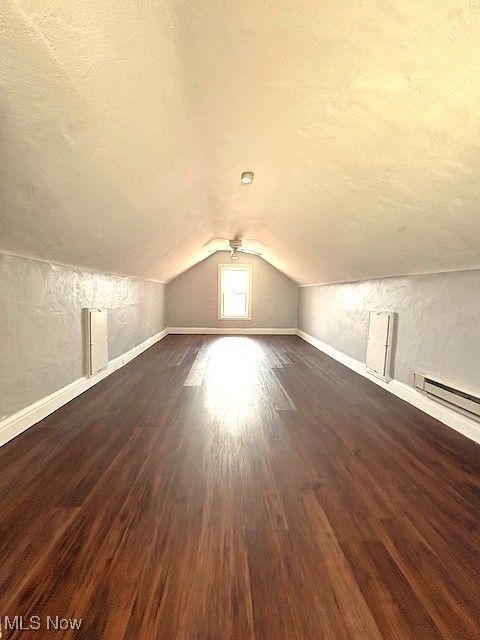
(463, 400)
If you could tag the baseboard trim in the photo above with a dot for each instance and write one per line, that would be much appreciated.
(231, 331)
(463, 424)
(14, 425)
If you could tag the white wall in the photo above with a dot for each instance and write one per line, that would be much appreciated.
(438, 322)
(192, 298)
(41, 329)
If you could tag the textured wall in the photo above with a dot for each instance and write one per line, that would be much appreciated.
(41, 330)
(192, 298)
(437, 323)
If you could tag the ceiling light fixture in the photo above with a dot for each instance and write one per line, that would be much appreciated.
(247, 177)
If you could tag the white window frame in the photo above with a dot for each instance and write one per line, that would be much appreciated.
(236, 267)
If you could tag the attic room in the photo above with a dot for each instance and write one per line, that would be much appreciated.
(239, 320)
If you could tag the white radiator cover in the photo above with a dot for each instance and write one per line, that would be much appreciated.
(97, 340)
(459, 398)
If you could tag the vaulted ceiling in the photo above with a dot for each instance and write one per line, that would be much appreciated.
(125, 126)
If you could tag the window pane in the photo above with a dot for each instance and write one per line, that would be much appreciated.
(234, 304)
(235, 281)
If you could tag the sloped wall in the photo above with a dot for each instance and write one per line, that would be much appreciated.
(41, 331)
(192, 298)
(437, 322)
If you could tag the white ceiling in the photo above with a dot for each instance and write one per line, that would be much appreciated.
(125, 126)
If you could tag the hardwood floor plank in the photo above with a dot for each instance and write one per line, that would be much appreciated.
(395, 607)
(352, 606)
(432, 582)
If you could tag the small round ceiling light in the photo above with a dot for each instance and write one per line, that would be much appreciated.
(247, 177)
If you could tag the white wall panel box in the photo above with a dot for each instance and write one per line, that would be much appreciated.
(97, 340)
(379, 343)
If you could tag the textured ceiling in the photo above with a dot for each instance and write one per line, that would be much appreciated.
(125, 127)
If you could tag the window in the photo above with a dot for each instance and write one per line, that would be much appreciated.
(234, 291)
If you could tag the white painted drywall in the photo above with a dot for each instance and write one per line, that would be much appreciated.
(41, 326)
(192, 298)
(437, 326)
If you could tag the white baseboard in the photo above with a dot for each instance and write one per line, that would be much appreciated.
(14, 425)
(461, 423)
(231, 331)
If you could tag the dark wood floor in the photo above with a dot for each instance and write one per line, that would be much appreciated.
(241, 488)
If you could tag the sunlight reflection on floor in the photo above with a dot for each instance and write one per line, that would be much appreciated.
(233, 377)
